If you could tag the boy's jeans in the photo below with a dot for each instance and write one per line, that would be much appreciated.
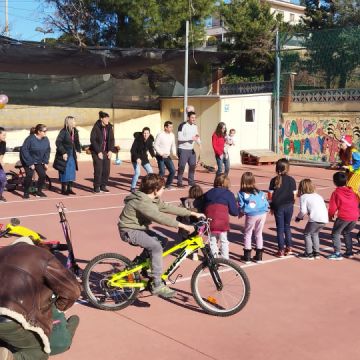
(224, 244)
(342, 227)
(151, 241)
(136, 167)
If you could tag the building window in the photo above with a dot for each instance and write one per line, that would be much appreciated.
(292, 17)
(250, 115)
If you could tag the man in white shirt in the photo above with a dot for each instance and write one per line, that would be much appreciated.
(165, 146)
(187, 135)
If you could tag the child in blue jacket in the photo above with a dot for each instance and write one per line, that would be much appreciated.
(254, 205)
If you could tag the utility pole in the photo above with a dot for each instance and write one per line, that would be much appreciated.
(277, 95)
(6, 18)
(186, 69)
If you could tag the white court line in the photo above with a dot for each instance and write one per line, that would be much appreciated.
(70, 211)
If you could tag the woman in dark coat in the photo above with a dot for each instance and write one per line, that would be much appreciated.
(102, 146)
(67, 144)
(34, 156)
(143, 143)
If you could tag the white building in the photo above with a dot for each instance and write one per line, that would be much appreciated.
(289, 9)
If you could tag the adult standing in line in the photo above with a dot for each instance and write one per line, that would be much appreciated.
(143, 143)
(187, 135)
(2, 172)
(218, 143)
(32, 282)
(34, 155)
(102, 145)
(165, 146)
(67, 144)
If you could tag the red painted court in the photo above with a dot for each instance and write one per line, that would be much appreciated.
(298, 309)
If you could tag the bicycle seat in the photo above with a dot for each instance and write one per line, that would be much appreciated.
(18, 165)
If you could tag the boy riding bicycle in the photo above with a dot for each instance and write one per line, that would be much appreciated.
(141, 209)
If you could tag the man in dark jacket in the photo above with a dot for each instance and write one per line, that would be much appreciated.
(32, 280)
(102, 145)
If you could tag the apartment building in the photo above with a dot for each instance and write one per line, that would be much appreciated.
(291, 10)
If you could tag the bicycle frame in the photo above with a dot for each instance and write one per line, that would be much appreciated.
(18, 230)
(125, 279)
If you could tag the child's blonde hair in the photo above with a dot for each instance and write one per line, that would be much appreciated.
(195, 192)
(222, 180)
(247, 183)
(306, 187)
(281, 168)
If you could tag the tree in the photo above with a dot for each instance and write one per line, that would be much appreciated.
(128, 23)
(332, 46)
(251, 29)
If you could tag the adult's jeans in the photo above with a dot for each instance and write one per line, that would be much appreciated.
(169, 165)
(101, 170)
(186, 157)
(282, 219)
(2, 181)
(136, 167)
(40, 170)
(342, 227)
(220, 162)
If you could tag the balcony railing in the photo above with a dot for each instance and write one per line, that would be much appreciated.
(247, 88)
(326, 95)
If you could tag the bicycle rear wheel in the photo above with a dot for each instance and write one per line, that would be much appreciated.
(94, 280)
(234, 292)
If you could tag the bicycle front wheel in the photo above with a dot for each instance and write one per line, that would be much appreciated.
(234, 288)
(95, 277)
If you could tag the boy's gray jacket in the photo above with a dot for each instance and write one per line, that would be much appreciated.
(140, 211)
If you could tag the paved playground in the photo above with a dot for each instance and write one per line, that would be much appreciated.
(298, 309)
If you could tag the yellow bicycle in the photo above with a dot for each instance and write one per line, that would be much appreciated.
(220, 287)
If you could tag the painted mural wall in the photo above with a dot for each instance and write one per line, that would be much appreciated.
(316, 136)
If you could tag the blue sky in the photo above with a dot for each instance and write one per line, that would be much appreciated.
(24, 17)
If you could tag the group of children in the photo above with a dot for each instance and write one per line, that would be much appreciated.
(219, 203)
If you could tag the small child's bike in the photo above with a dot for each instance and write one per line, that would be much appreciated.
(220, 287)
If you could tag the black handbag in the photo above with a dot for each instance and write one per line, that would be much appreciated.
(59, 164)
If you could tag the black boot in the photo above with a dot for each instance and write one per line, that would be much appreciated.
(69, 188)
(247, 256)
(64, 188)
(258, 255)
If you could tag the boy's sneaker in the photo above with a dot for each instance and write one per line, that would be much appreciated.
(26, 196)
(280, 254)
(104, 189)
(317, 255)
(335, 256)
(40, 194)
(349, 255)
(163, 291)
(97, 190)
(306, 256)
(288, 251)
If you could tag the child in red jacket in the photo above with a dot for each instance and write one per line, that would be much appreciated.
(343, 201)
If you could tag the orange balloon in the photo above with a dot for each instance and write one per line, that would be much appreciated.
(2, 106)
